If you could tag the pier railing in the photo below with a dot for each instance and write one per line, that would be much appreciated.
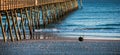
(13, 4)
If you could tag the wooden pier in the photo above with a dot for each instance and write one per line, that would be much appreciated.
(16, 16)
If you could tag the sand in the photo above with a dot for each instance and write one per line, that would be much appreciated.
(61, 47)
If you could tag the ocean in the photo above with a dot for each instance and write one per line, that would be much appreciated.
(97, 19)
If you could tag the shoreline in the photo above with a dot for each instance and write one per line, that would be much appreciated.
(75, 38)
(67, 40)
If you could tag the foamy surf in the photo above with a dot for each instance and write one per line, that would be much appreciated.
(46, 30)
(99, 38)
(91, 34)
(92, 38)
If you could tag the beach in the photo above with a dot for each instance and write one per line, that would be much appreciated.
(64, 46)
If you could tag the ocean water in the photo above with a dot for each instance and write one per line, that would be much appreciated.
(97, 18)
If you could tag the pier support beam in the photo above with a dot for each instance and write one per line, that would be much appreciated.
(43, 16)
(22, 21)
(9, 26)
(14, 25)
(17, 24)
(3, 31)
(30, 27)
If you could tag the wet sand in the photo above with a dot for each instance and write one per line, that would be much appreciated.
(61, 47)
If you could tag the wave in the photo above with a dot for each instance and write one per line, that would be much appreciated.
(100, 12)
(98, 28)
(91, 34)
(110, 24)
(89, 18)
(94, 16)
(70, 25)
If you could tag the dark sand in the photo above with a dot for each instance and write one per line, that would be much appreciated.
(61, 47)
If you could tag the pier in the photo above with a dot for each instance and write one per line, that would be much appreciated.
(16, 16)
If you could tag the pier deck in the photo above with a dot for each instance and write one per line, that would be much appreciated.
(14, 4)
